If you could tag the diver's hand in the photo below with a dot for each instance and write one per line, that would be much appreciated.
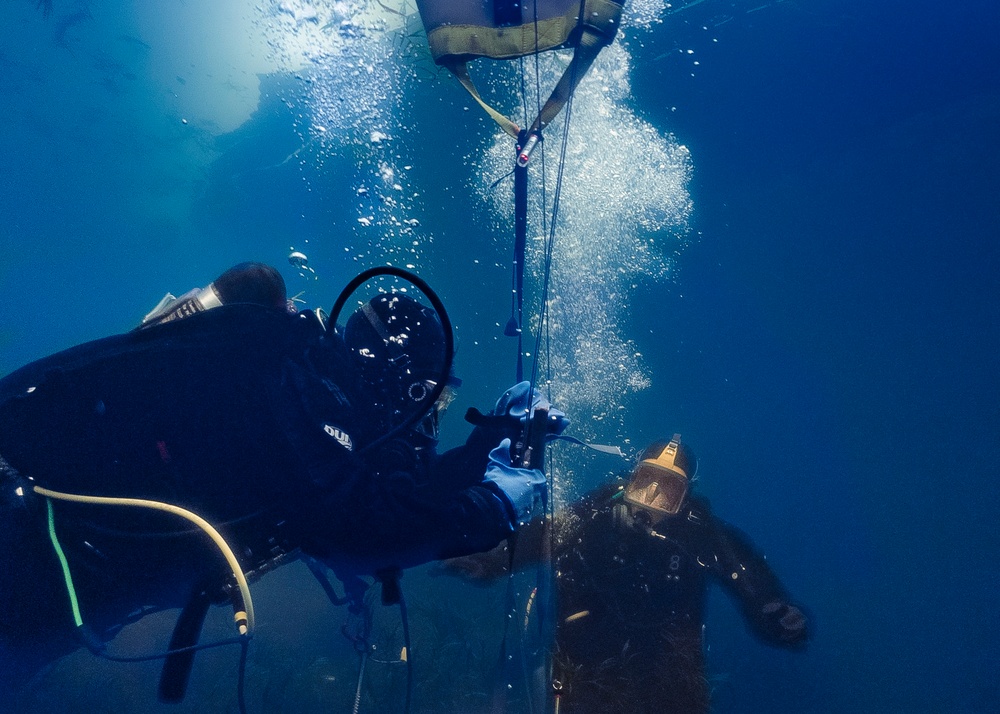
(514, 403)
(521, 489)
(790, 621)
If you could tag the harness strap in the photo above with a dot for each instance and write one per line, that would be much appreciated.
(598, 25)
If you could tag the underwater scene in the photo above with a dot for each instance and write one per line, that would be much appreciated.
(552, 356)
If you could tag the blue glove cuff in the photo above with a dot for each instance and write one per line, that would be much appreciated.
(522, 488)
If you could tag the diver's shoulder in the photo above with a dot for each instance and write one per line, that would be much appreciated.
(597, 501)
(699, 509)
(607, 494)
(696, 500)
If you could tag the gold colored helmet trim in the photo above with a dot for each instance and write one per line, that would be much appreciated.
(659, 484)
(668, 457)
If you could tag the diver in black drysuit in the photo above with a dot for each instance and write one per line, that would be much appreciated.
(257, 419)
(633, 565)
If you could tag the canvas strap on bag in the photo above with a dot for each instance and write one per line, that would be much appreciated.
(459, 32)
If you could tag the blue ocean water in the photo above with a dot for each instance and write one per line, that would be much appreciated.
(778, 237)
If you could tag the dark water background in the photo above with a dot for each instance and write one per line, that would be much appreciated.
(827, 344)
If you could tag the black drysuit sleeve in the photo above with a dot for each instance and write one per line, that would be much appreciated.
(744, 574)
(372, 521)
(357, 518)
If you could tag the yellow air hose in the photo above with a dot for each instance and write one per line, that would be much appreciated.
(244, 618)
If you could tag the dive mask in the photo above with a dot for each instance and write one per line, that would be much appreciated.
(659, 484)
(428, 425)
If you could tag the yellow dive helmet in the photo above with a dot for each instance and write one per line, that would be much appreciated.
(660, 480)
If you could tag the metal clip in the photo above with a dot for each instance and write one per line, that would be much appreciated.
(529, 146)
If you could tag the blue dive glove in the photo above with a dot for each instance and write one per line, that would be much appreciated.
(521, 488)
(514, 403)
